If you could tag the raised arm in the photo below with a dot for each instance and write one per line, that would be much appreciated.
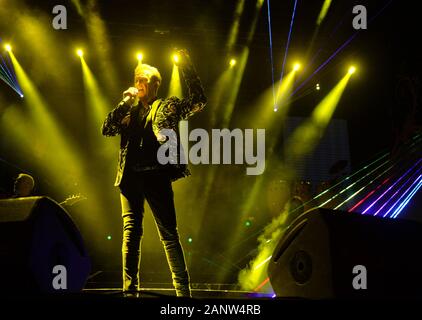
(196, 99)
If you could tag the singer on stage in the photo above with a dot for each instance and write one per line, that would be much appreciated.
(138, 119)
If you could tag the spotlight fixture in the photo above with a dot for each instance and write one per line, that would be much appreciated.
(79, 52)
(296, 67)
(139, 56)
(8, 47)
(233, 62)
(352, 69)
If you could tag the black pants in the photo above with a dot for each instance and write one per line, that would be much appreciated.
(155, 187)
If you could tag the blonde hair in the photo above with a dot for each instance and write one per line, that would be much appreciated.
(150, 72)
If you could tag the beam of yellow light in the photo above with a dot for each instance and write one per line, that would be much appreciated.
(256, 188)
(244, 212)
(218, 95)
(321, 17)
(97, 110)
(323, 11)
(263, 113)
(235, 26)
(305, 138)
(232, 62)
(34, 29)
(352, 70)
(325, 109)
(284, 90)
(22, 135)
(262, 109)
(251, 34)
(97, 32)
(8, 47)
(62, 146)
(282, 107)
(241, 67)
(103, 149)
(79, 52)
(234, 88)
(175, 88)
(78, 7)
(96, 100)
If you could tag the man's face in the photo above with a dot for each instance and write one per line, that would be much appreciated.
(142, 83)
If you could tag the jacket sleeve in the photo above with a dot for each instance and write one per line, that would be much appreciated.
(196, 99)
(112, 125)
(173, 109)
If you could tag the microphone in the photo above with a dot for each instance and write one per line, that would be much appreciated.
(131, 95)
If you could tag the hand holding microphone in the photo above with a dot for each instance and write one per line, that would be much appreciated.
(129, 95)
(129, 98)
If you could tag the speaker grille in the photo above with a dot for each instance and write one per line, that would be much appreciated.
(301, 267)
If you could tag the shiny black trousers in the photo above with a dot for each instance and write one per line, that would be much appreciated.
(155, 187)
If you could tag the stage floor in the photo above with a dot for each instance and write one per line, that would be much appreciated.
(200, 292)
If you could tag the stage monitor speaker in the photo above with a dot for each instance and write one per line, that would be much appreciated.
(36, 235)
(328, 254)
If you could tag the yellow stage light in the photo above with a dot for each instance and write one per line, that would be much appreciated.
(296, 67)
(79, 52)
(232, 62)
(352, 69)
(175, 88)
(176, 58)
(8, 47)
(139, 56)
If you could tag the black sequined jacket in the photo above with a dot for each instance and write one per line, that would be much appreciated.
(166, 114)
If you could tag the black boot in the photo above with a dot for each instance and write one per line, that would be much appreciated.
(131, 260)
(176, 261)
